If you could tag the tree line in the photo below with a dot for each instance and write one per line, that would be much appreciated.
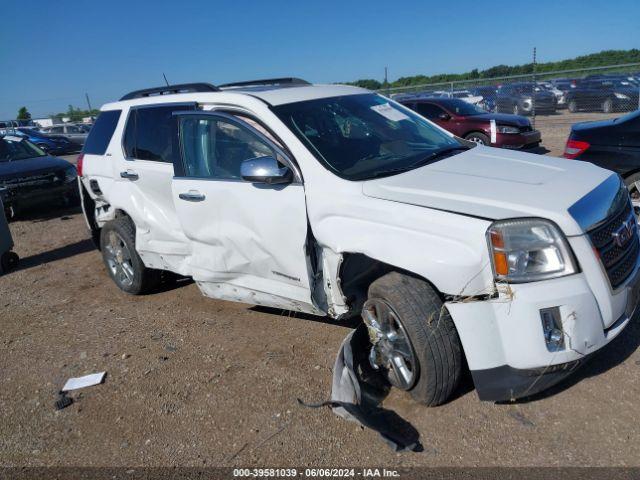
(600, 59)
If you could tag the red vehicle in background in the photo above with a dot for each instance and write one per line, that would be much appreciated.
(475, 124)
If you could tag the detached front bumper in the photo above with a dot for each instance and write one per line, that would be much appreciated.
(504, 340)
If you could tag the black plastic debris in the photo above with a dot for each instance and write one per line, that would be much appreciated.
(63, 400)
(358, 390)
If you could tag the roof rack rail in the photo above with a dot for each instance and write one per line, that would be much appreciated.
(171, 89)
(284, 81)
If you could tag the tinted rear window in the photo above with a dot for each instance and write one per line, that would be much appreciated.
(151, 132)
(101, 133)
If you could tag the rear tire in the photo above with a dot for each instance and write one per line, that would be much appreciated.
(125, 267)
(477, 137)
(431, 333)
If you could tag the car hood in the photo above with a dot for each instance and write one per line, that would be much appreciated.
(32, 166)
(495, 184)
(502, 119)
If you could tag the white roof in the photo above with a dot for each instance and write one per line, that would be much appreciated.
(281, 96)
(274, 95)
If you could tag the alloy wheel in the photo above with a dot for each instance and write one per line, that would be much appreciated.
(392, 350)
(118, 259)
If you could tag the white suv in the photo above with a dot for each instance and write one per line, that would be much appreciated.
(336, 201)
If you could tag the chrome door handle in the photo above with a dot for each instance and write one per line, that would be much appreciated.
(192, 196)
(129, 174)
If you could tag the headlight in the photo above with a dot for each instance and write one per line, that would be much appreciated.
(505, 129)
(70, 174)
(621, 96)
(529, 249)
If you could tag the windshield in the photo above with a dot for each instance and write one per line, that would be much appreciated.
(17, 148)
(364, 136)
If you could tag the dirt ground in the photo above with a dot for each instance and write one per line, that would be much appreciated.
(197, 382)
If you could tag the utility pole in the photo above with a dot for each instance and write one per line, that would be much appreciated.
(533, 91)
(165, 79)
(386, 79)
(88, 101)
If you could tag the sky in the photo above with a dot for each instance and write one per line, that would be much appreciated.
(52, 52)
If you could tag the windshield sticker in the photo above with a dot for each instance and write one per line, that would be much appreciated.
(11, 138)
(390, 113)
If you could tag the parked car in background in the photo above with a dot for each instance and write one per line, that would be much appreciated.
(612, 144)
(488, 94)
(464, 95)
(559, 94)
(17, 123)
(32, 177)
(51, 144)
(518, 98)
(602, 94)
(475, 124)
(74, 133)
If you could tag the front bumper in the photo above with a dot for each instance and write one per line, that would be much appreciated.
(24, 198)
(504, 342)
(518, 140)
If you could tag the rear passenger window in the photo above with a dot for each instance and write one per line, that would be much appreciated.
(429, 110)
(101, 133)
(151, 132)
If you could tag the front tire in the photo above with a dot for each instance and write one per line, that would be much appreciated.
(125, 267)
(428, 361)
(477, 137)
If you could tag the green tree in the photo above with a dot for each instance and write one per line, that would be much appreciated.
(23, 114)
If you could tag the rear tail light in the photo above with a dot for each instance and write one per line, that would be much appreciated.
(79, 164)
(574, 148)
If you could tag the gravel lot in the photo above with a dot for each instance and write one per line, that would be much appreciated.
(198, 382)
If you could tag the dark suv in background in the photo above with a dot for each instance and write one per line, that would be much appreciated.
(603, 94)
(518, 98)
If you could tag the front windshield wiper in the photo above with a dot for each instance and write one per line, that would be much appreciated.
(443, 152)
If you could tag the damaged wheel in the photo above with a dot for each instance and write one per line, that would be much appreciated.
(415, 343)
(117, 243)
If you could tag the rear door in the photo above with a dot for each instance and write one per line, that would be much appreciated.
(144, 173)
(248, 240)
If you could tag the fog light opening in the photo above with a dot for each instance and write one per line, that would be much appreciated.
(552, 329)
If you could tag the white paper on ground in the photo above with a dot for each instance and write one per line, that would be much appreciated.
(82, 382)
(387, 111)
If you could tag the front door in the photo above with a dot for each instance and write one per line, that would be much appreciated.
(248, 240)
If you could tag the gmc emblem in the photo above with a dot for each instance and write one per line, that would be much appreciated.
(624, 232)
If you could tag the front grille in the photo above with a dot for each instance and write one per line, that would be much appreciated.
(617, 259)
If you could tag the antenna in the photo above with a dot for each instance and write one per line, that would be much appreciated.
(165, 79)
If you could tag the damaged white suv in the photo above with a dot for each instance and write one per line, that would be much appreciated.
(336, 201)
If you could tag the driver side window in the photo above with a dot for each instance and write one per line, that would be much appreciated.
(215, 147)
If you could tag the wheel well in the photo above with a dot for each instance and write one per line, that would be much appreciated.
(358, 271)
(474, 131)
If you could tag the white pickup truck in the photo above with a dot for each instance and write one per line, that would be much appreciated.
(334, 200)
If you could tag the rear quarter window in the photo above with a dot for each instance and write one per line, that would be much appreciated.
(101, 133)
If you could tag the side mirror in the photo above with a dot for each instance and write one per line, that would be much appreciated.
(444, 116)
(265, 170)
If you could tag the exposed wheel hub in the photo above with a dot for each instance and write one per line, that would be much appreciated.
(392, 350)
